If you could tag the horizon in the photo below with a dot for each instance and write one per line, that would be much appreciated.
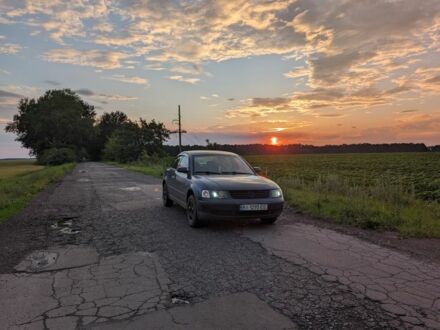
(265, 72)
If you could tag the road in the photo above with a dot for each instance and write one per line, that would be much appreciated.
(98, 251)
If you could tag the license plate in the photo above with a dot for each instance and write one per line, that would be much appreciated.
(253, 207)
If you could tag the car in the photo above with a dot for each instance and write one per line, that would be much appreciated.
(216, 185)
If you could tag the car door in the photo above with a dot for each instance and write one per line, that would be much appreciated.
(181, 179)
(171, 179)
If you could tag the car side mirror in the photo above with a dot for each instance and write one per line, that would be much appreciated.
(182, 169)
(257, 169)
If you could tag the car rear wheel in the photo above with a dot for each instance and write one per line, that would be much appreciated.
(269, 221)
(191, 212)
(167, 202)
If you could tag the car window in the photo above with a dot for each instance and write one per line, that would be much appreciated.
(183, 161)
(220, 164)
(175, 162)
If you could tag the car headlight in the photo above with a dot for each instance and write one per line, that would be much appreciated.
(275, 193)
(214, 194)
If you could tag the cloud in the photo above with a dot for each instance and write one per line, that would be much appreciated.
(104, 98)
(297, 73)
(52, 82)
(184, 79)
(269, 102)
(187, 69)
(60, 19)
(129, 80)
(85, 92)
(116, 97)
(10, 94)
(348, 54)
(6, 94)
(154, 67)
(95, 58)
(9, 48)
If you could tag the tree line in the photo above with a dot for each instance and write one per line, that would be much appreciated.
(60, 127)
(265, 149)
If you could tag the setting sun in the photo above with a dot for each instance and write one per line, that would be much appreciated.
(274, 140)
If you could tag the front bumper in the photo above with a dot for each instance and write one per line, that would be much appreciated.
(230, 208)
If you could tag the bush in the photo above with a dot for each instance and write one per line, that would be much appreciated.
(58, 156)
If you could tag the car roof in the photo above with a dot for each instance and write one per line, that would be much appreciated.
(207, 152)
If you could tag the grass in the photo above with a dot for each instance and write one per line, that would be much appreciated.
(151, 167)
(21, 180)
(393, 191)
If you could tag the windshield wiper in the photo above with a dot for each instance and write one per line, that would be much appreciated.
(206, 172)
(234, 172)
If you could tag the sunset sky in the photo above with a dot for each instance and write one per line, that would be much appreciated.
(314, 72)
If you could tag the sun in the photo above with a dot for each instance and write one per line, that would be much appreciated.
(274, 140)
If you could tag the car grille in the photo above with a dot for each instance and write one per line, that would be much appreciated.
(249, 194)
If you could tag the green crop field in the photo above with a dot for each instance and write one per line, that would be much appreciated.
(10, 168)
(20, 180)
(385, 191)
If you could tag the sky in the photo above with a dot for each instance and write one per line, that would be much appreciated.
(289, 71)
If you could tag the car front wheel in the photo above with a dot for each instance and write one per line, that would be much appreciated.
(191, 212)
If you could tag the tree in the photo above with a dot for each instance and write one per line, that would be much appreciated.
(58, 119)
(134, 139)
(124, 145)
(107, 124)
(152, 136)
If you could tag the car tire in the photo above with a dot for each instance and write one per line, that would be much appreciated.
(191, 212)
(167, 202)
(269, 221)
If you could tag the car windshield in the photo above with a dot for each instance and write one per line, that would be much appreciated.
(220, 164)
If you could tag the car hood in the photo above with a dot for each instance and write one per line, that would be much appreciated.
(235, 182)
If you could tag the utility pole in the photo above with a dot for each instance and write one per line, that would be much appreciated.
(179, 131)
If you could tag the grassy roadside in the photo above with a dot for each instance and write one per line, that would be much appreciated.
(153, 168)
(409, 216)
(17, 189)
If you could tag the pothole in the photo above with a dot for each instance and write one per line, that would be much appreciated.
(38, 261)
(66, 226)
(131, 188)
(179, 299)
(57, 258)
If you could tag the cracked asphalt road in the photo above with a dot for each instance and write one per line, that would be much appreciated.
(145, 268)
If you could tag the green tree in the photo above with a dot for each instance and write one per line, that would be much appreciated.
(152, 136)
(124, 144)
(135, 139)
(58, 119)
(107, 124)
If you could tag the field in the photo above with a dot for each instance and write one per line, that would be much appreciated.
(21, 180)
(9, 168)
(393, 191)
